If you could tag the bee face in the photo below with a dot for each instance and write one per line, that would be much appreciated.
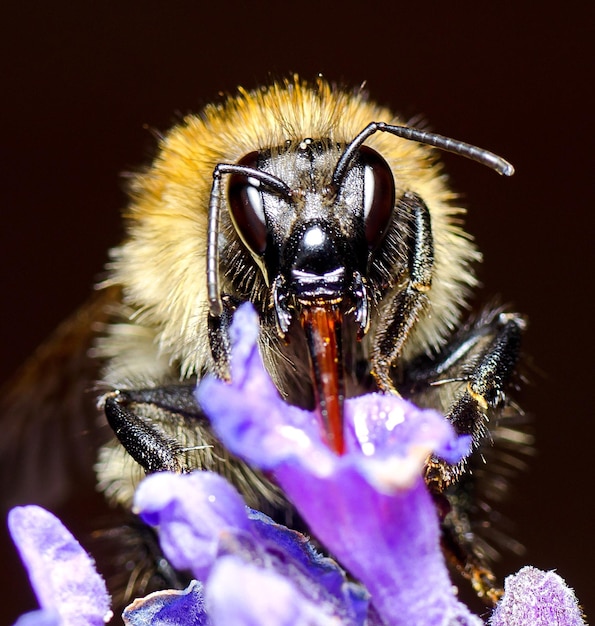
(313, 237)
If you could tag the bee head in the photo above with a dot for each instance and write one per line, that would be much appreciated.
(311, 213)
(311, 233)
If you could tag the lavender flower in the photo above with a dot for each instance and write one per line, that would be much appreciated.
(169, 607)
(69, 590)
(369, 507)
(254, 570)
(537, 598)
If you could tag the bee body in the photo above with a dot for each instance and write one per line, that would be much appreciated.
(300, 199)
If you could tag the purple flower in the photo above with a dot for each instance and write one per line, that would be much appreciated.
(369, 507)
(173, 503)
(254, 570)
(69, 590)
(169, 607)
(538, 598)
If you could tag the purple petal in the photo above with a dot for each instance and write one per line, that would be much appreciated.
(241, 414)
(299, 552)
(252, 395)
(197, 530)
(386, 424)
(390, 439)
(62, 574)
(39, 618)
(169, 607)
(191, 511)
(391, 543)
(532, 596)
(246, 595)
(289, 554)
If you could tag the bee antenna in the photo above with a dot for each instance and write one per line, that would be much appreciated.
(274, 184)
(485, 157)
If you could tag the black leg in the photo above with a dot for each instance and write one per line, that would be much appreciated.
(164, 429)
(479, 362)
(487, 382)
(458, 544)
(136, 417)
(468, 382)
(409, 303)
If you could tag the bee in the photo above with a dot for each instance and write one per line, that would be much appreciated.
(334, 218)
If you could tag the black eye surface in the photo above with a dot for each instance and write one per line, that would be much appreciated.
(245, 202)
(379, 195)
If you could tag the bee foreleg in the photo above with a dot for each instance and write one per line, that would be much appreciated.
(148, 444)
(481, 360)
(409, 302)
(487, 380)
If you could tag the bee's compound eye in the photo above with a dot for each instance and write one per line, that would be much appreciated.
(379, 195)
(245, 202)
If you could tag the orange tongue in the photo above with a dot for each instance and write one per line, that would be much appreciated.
(323, 331)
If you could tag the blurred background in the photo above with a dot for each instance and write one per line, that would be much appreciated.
(82, 84)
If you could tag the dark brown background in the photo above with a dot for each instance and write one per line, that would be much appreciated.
(81, 80)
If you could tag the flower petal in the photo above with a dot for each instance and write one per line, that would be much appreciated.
(169, 607)
(391, 543)
(532, 596)
(289, 554)
(242, 404)
(390, 439)
(246, 595)
(62, 574)
(387, 424)
(39, 618)
(191, 511)
(196, 532)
